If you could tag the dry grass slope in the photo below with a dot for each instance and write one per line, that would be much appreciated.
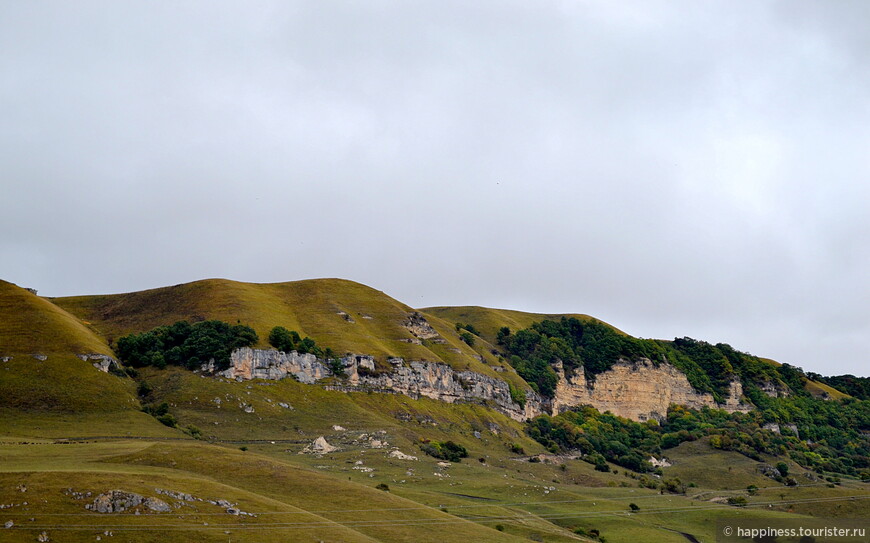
(343, 315)
(31, 324)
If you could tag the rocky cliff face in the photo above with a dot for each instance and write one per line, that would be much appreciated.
(639, 391)
(247, 363)
(635, 390)
(439, 382)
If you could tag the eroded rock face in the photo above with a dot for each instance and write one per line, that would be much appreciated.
(420, 327)
(773, 389)
(638, 390)
(441, 382)
(247, 363)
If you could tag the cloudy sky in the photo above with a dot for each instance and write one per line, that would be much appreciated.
(675, 168)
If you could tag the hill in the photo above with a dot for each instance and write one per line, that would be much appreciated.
(69, 432)
(33, 325)
(489, 320)
(343, 315)
(45, 389)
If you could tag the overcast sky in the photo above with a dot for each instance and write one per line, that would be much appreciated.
(674, 168)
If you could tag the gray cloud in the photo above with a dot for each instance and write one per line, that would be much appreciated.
(675, 168)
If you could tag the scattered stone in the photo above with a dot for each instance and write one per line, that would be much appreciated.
(115, 501)
(444, 464)
(377, 444)
(477, 434)
(400, 455)
(41, 358)
(181, 496)
(9, 524)
(768, 471)
(319, 446)
(157, 505)
(233, 511)
(284, 405)
(22, 487)
(43, 537)
(338, 428)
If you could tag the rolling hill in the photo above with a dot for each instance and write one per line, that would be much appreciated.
(343, 315)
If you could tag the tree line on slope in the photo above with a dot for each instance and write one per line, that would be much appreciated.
(596, 347)
(191, 345)
(829, 437)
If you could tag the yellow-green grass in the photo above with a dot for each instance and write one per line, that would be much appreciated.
(488, 320)
(64, 396)
(821, 390)
(817, 389)
(192, 399)
(315, 308)
(30, 324)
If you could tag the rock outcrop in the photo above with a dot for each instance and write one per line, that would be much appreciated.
(247, 363)
(639, 390)
(439, 382)
(102, 362)
(318, 446)
(421, 329)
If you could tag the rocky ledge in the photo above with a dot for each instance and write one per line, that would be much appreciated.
(639, 390)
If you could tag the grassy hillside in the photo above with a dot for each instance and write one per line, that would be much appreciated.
(57, 393)
(343, 315)
(489, 320)
(30, 324)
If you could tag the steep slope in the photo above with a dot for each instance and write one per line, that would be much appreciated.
(489, 320)
(30, 324)
(343, 315)
(43, 382)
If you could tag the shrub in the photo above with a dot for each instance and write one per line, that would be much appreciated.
(168, 420)
(518, 395)
(383, 486)
(634, 507)
(144, 389)
(737, 501)
(447, 450)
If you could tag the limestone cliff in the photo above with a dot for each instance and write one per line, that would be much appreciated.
(638, 390)
(247, 363)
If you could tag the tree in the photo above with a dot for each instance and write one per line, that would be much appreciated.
(282, 339)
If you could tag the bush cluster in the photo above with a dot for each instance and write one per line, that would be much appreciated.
(185, 344)
(445, 450)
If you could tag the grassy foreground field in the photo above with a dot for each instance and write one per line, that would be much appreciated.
(496, 494)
